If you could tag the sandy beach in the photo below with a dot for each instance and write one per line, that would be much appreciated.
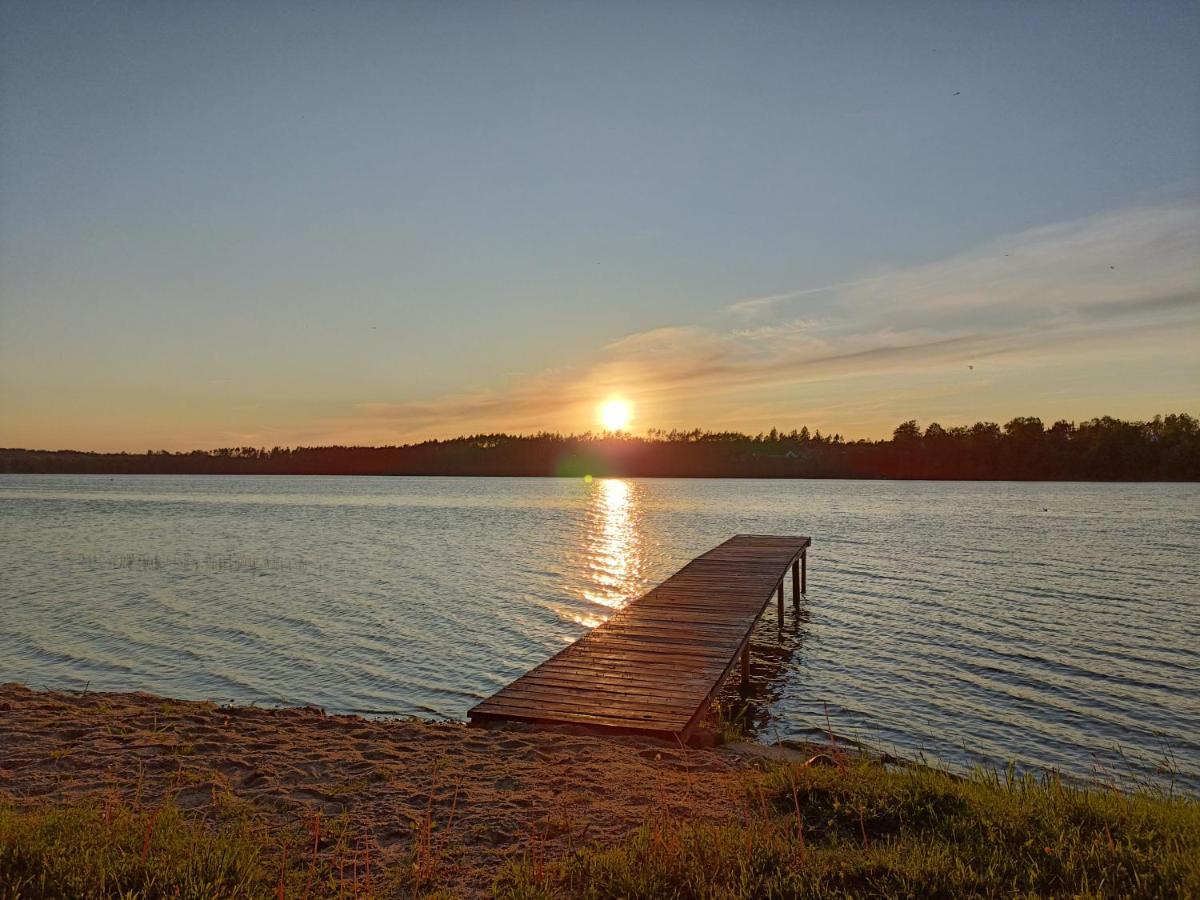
(459, 799)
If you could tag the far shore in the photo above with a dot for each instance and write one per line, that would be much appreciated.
(1165, 448)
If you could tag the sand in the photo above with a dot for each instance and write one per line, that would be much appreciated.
(473, 796)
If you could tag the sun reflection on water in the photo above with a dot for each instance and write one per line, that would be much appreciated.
(608, 564)
(613, 544)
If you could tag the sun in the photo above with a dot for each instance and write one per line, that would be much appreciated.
(615, 414)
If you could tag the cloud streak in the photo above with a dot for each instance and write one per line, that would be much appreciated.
(1053, 293)
(755, 305)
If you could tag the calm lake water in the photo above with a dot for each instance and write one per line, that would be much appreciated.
(1053, 624)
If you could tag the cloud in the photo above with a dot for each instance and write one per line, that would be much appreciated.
(755, 305)
(1144, 252)
(1092, 285)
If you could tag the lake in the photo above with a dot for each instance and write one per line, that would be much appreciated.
(1053, 624)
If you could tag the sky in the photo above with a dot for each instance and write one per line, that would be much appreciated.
(231, 224)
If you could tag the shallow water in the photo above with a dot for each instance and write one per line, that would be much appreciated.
(1054, 624)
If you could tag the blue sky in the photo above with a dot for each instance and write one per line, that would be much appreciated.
(266, 223)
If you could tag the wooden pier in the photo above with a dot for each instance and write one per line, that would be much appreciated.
(655, 666)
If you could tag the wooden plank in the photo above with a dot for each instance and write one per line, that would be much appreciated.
(589, 701)
(580, 685)
(597, 722)
(540, 706)
(655, 666)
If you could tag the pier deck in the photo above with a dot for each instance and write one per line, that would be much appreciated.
(656, 665)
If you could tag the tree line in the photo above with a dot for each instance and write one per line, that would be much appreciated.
(1165, 448)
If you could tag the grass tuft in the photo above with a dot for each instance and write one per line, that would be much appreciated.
(861, 828)
(93, 850)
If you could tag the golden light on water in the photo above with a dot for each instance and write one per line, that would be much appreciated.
(614, 551)
(609, 560)
(615, 414)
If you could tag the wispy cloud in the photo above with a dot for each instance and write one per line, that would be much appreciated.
(754, 305)
(1050, 293)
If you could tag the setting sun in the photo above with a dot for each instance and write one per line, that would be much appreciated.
(615, 414)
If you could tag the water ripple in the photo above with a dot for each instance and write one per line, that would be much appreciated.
(952, 620)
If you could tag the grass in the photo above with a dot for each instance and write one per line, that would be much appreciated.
(728, 721)
(859, 828)
(91, 850)
(118, 850)
(853, 827)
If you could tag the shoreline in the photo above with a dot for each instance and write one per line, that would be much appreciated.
(610, 476)
(490, 795)
(132, 794)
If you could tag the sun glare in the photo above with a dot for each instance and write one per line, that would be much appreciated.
(615, 414)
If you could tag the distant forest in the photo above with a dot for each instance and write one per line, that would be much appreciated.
(1166, 448)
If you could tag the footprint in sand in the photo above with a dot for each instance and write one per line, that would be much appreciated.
(393, 836)
(494, 837)
(315, 797)
(516, 749)
(254, 779)
(379, 755)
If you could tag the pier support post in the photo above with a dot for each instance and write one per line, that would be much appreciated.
(796, 584)
(804, 572)
(781, 603)
(744, 687)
